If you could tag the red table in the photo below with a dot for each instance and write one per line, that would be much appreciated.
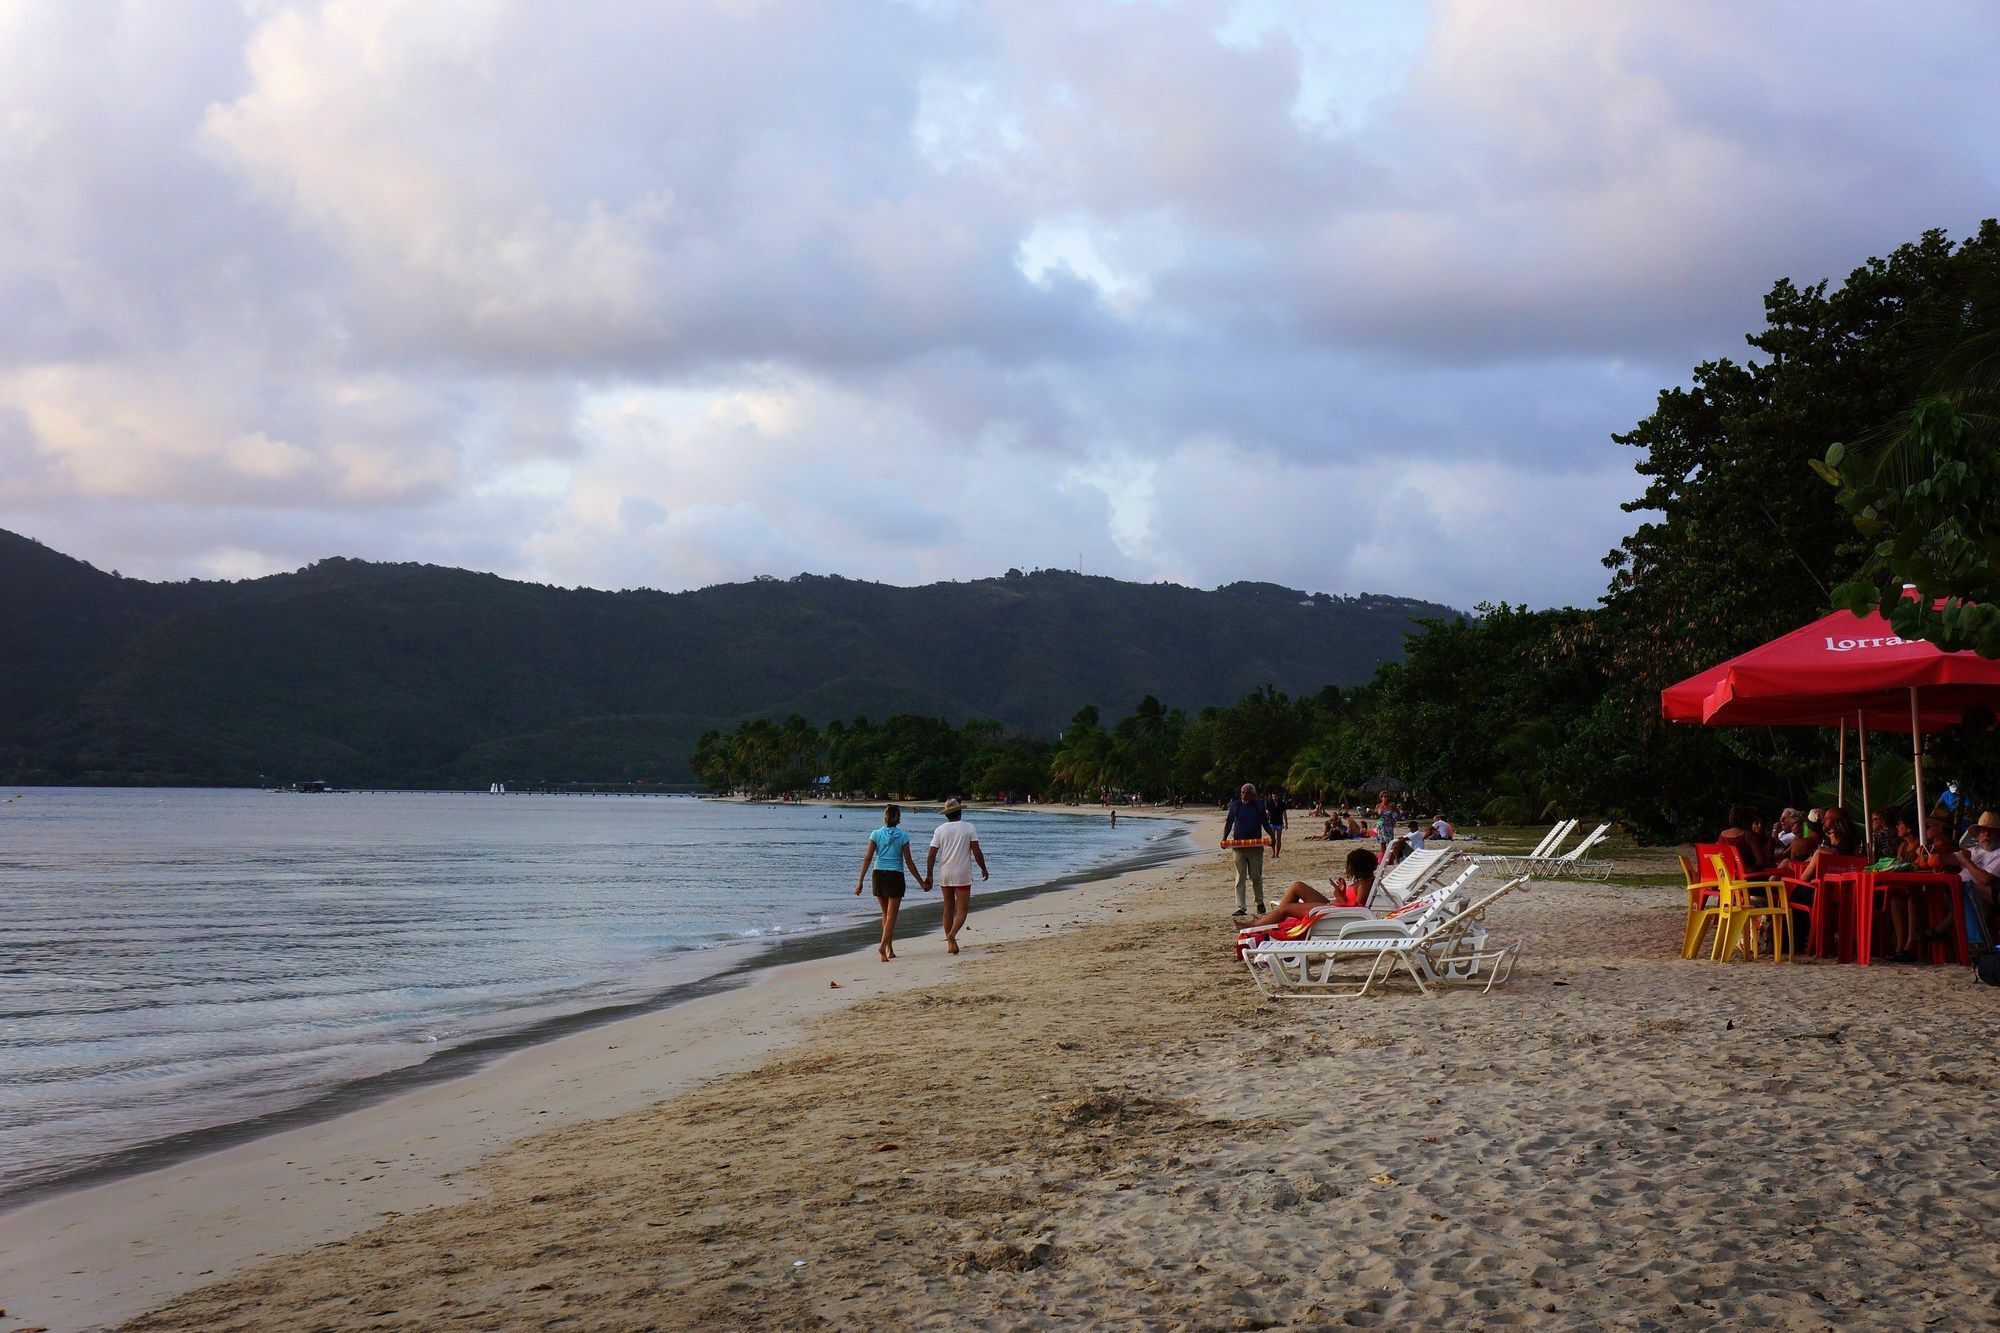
(1860, 887)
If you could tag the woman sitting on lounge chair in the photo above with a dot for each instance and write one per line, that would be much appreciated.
(1350, 890)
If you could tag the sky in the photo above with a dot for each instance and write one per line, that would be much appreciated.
(1348, 295)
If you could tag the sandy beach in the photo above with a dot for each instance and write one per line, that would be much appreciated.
(1089, 1118)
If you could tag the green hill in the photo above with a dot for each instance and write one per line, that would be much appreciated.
(367, 673)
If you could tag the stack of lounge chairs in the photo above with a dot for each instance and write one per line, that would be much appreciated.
(1327, 920)
(1549, 861)
(1416, 924)
(1438, 940)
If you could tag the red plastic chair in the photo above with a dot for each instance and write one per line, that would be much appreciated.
(1732, 860)
(1822, 908)
(1939, 913)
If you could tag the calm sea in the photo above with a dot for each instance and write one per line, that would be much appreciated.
(178, 968)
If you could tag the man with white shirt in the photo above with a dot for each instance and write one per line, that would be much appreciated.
(1979, 864)
(954, 850)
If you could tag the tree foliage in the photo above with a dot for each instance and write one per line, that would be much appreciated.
(1741, 543)
(1925, 487)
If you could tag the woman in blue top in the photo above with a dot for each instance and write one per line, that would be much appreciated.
(888, 852)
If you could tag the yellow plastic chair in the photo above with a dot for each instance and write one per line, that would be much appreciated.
(1739, 913)
(1704, 907)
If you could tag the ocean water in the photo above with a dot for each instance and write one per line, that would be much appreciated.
(176, 963)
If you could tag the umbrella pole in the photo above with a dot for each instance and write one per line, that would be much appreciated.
(1861, 743)
(1840, 765)
(1917, 763)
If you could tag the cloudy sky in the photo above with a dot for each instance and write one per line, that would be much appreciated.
(1347, 295)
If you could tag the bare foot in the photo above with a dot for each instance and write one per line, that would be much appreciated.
(951, 946)
(882, 952)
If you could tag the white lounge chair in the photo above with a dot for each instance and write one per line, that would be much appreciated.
(1552, 839)
(1408, 877)
(1573, 861)
(1328, 919)
(1448, 951)
(1326, 922)
(1546, 863)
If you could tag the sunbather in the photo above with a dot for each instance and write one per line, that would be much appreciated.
(1350, 890)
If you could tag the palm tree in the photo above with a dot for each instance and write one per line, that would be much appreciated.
(1892, 785)
(1315, 768)
(1082, 762)
(1524, 791)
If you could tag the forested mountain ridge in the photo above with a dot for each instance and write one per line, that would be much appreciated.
(416, 674)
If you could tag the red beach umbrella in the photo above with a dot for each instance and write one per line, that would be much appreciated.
(1841, 669)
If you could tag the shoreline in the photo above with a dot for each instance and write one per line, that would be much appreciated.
(1105, 1125)
(399, 1142)
(737, 964)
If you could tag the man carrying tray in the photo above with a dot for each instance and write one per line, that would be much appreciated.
(1246, 831)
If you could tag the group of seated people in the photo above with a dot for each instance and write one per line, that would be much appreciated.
(1799, 850)
(1388, 831)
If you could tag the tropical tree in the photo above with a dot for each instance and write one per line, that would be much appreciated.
(1316, 768)
(1926, 487)
(1081, 763)
(1740, 544)
(1524, 789)
(1143, 746)
(1254, 741)
(710, 762)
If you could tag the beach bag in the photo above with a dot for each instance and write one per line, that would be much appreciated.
(1986, 967)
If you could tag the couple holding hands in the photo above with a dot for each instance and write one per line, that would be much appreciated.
(954, 851)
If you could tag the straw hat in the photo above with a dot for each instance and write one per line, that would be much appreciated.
(1989, 820)
(954, 806)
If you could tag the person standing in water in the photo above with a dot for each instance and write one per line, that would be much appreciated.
(954, 849)
(888, 852)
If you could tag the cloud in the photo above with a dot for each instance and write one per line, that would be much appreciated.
(1349, 296)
